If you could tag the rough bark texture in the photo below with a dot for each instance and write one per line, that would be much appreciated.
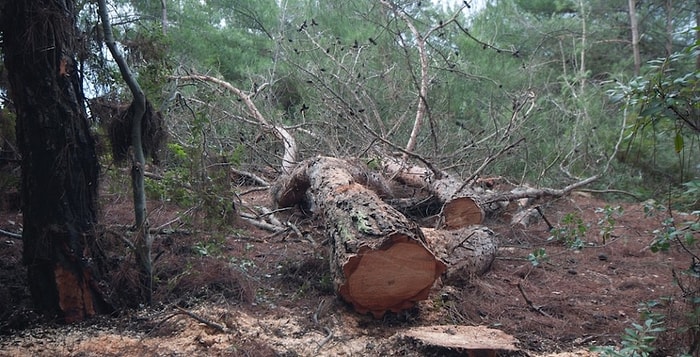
(380, 261)
(458, 208)
(59, 165)
(468, 251)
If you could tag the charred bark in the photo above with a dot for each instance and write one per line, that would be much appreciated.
(59, 164)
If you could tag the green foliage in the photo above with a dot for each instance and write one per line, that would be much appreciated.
(687, 234)
(571, 231)
(537, 257)
(664, 102)
(210, 248)
(607, 222)
(637, 341)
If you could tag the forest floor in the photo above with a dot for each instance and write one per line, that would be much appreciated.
(235, 290)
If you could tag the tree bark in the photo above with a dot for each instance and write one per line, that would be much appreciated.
(468, 252)
(457, 206)
(697, 32)
(143, 240)
(59, 164)
(634, 27)
(380, 260)
(462, 206)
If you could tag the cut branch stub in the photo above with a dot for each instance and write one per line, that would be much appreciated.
(380, 261)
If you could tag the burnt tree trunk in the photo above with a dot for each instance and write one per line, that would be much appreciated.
(59, 164)
(379, 258)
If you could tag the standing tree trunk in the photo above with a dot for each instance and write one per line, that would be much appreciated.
(669, 27)
(59, 165)
(137, 111)
(697, 31)
(634, 26)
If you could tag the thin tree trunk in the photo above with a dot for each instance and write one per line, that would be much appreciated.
(697, 33)
(584, 35)
(143, 240)
(164, 16)
(669, 27)
(59, 164)
(634, 26)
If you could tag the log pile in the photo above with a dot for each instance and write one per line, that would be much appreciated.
(381, 260)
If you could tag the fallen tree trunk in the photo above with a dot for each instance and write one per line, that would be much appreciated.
(380, 260)
(468, 251)
(458, 208)
(463, 206)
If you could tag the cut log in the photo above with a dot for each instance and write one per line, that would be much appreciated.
(468, 251)
(460, 212)
(380, 260)
(459, 208)
(463, 205)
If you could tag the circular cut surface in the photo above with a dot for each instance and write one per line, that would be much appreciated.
(387, 277)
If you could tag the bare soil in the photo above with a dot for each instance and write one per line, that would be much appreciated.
(226, 288)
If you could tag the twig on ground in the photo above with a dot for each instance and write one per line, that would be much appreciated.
(259, 180)
(549, 225)
(297, 231)
(260, 224)
(126, 241)
(11, 234)
(329, 332)
(159, 229)
(207, 322)
(266, 212)
(531, 304)
(611, 191)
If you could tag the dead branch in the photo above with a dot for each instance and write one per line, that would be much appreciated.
(207, 322)
(420, 40)
(488, 161)
(290, 147)
(11, 234)
(329, 332)
(261, 224)
(612, 191)
(531, 304)
(536, 193)
(259, 180)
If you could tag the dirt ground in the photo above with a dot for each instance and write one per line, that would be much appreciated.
(230, 289)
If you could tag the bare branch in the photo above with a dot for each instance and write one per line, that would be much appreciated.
(11, 234)
(289, 158)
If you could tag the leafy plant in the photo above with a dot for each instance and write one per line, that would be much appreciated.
(686, 235)
(571, 231)
(607, 222)
(212, 248)
(638, 340)
(537, 257)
